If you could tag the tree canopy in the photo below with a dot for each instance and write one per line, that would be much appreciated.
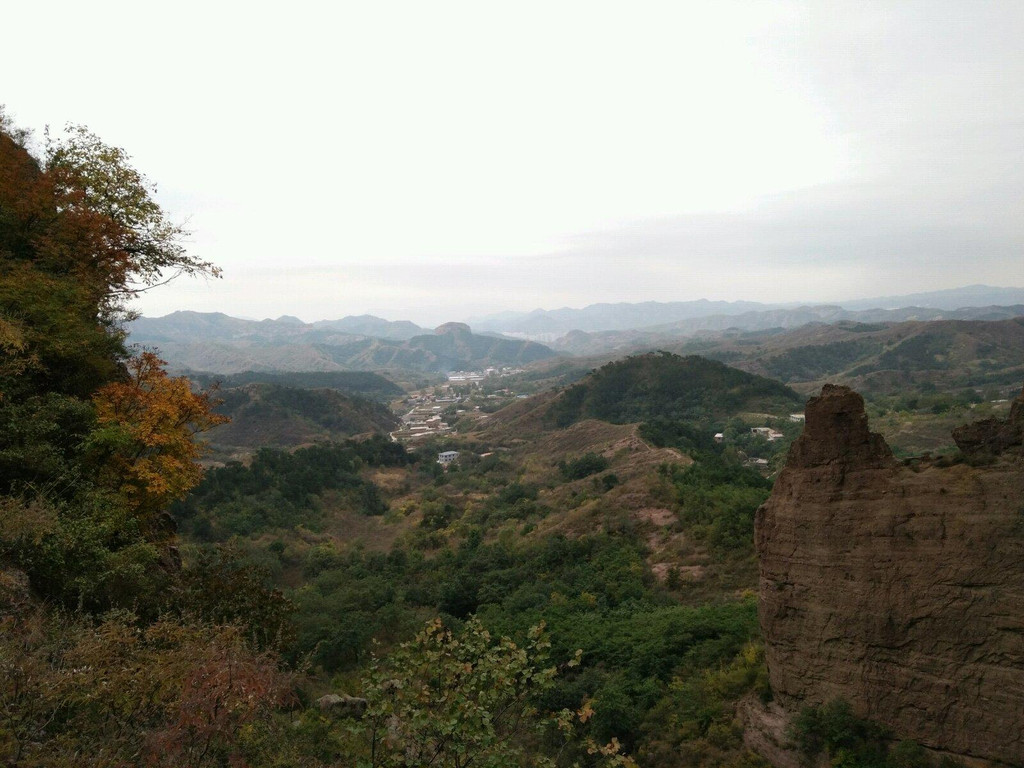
(94, 438)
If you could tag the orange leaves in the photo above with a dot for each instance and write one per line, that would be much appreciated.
(145, 433)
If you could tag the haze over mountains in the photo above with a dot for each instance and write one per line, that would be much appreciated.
(547, 325)
(215, 342)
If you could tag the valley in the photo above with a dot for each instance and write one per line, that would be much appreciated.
(650, 535)
(620, 500)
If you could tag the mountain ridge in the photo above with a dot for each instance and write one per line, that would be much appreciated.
(217, 343)
(649, 314)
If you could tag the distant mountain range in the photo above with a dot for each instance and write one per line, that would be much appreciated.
(549, 325)
(217, 343)
(582, 343)
(216, 326)
(608, 317)
(953, 298)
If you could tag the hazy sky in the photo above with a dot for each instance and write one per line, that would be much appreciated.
(436, 160)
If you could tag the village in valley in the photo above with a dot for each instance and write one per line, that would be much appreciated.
(433, 411)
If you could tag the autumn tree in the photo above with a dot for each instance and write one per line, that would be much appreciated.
(108, 229)
(100, 439)
(145, 433)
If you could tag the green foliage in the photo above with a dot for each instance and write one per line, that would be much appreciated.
(674, 433)
(834, 727)
(88, 554)
(452, 699)
(816, 361)
(694, 723)
(218, 585)
(583, 466)
(282, 490)
(666, 386)
(717, 499)
(852, 742)
(362, 383)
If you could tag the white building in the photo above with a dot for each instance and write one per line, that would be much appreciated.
(447, 457)
(767, 432)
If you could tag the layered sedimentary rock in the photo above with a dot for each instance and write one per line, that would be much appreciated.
(900, 588)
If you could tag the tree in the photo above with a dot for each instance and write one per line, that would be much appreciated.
(116, 693)
(145, 436)
(461, 699)
(101, 440)
(108, 227)
(80, 235)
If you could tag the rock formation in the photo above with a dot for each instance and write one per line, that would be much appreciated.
(899, 588)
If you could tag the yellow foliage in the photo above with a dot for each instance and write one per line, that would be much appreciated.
(146, 426)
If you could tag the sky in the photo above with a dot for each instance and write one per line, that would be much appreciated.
(443, 160)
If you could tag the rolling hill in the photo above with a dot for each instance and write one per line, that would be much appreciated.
(359, 383)
(667, 386)
(880, 358)
(270, 415)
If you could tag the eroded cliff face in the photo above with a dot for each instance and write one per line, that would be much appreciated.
(899, 589)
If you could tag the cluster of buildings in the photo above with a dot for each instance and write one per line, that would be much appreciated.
(425, 419)
(461, 377)
(771, 435)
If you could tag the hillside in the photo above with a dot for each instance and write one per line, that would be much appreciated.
(666, 386)
(360, 383)
(267, 414)
(881, 358)
(638, 554)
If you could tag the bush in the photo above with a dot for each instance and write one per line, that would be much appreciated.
(586, 465)
(851, 742)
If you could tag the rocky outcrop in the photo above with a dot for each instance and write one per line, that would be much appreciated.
(993, 436)
(899, 588)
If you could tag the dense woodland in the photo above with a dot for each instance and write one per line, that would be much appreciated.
(516, 609)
